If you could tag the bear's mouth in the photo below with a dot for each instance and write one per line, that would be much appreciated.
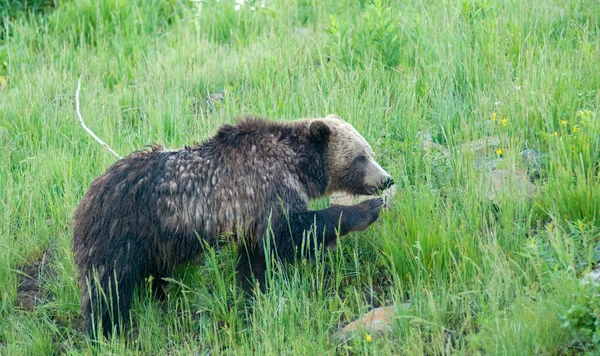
(378, 189)
(371, 190)
(374, 190)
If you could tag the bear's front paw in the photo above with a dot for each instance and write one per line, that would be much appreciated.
(369, 213)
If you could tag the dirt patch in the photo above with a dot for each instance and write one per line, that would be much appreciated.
(31, 276)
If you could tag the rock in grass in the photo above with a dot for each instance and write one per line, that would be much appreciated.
(481, 146)
(534, 161)
(376, 322)
(497, 181)
(433, 148)
(500, 181)
(593, 277)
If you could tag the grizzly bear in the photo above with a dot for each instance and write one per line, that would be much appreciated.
(156, 209)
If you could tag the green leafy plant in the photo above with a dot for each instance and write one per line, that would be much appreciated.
(375, 36)
(583, 317)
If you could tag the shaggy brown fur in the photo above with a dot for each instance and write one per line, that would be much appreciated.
(150, 211)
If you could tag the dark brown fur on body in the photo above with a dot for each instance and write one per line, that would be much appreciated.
(149, 211)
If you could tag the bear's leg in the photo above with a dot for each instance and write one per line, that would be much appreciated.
(325, 226)
(159, 286)
(110, 298)
(251, 261)
(289, 233)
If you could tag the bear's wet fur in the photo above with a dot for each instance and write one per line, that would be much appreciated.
(156, 209)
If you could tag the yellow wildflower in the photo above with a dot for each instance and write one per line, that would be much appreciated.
(563, 122)
(494, 117)
(499, 152)
(368, 337)
(504, 121)
(554, 133)
(575, 129)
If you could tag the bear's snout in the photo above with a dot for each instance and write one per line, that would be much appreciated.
(376, 178)
(387, 182)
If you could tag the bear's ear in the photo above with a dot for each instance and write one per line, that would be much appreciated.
(333, 117)
(319, 131)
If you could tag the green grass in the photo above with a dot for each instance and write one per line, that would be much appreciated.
(480, 278)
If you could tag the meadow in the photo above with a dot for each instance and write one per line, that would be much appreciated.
(471, 269)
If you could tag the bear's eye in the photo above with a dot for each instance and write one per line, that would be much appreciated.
(362, 158)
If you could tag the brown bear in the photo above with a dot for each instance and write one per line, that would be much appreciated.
(156, 209)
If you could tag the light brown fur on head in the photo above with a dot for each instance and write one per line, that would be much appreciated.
(352, 168)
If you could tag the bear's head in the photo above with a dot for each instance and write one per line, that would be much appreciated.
(351, 167)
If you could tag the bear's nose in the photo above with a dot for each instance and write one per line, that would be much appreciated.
(388, 182)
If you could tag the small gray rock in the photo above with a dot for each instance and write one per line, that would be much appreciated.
(534, 161)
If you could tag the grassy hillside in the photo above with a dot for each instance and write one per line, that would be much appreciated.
(486, 271)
